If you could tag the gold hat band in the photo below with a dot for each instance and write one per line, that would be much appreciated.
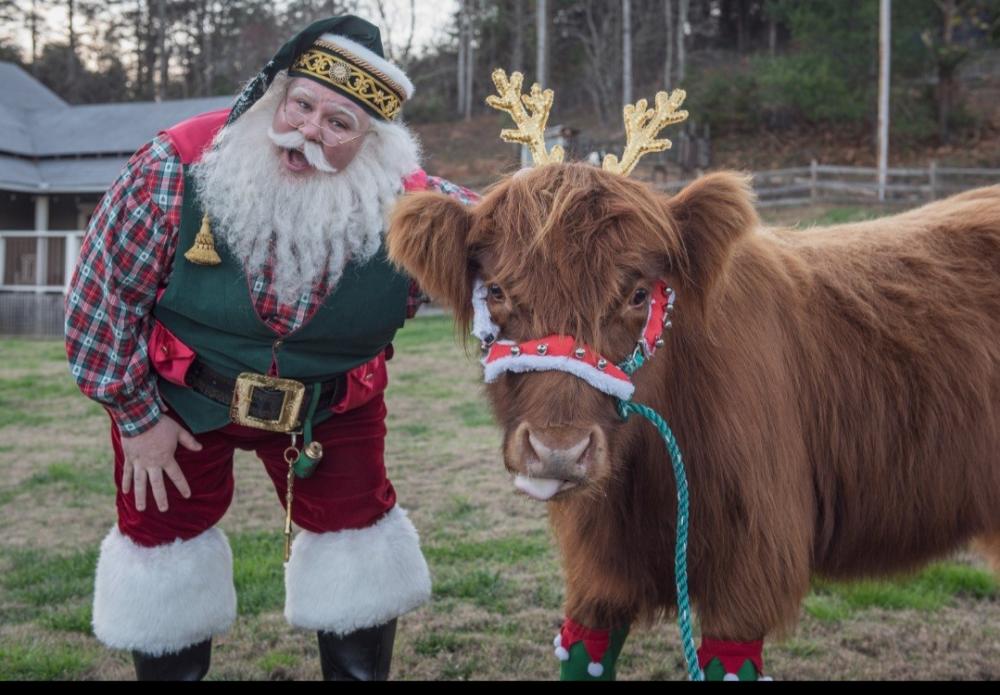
(356, 78)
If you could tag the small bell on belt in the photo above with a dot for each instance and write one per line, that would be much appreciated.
(203, 251)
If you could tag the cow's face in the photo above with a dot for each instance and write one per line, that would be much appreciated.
(568, 250)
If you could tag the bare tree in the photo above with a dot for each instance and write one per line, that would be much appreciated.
(470, 62)
(626, 52)
(668, 64)
(542, 31)
(517, 59)
(463, 32)
(682, 28)
(595, 26)
(949, 54)
(162, 54)
(397, 53)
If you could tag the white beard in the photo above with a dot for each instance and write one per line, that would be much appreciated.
(305, 229)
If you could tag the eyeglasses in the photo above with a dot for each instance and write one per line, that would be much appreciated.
(297, 113)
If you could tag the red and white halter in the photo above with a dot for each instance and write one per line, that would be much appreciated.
(563, 352)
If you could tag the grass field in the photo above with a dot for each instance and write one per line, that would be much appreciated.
(497, 588)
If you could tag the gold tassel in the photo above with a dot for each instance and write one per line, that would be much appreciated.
(203, 251)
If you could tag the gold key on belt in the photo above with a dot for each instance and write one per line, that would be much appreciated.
(291, 456)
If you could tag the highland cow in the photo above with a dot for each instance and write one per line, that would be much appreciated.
(835, 391)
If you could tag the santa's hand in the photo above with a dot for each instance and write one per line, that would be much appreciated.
(151, 454)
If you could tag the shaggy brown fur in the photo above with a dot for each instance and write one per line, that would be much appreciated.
(835, 391)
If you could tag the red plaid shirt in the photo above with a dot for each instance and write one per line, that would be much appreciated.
(127, 255)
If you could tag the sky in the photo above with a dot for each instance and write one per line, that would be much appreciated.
(429, 15)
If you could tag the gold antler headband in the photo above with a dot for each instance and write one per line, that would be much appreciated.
(530, 129)
(642, 124)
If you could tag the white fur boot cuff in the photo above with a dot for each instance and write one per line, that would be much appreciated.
(345, 581)
(162, 599)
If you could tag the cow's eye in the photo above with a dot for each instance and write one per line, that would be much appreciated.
(640, 297)
(496, 292)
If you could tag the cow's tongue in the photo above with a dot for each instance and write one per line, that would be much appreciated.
(539, 488)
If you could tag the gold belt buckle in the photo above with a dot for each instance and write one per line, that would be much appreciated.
(239, 410)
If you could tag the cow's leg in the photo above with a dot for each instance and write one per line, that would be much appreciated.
(595, 629)
(749, 601)
(724, 660)
(588, 653)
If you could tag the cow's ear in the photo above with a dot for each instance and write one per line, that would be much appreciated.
(427, 237)
(710, 217)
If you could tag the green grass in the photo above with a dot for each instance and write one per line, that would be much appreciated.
(278, 660)
(27, 354)
(486, 589)
(473, 414)
(81, 482)
(930, 590)
(34, 399)
(506, 551)
(436, 643)
(49, 581)
(802, 649)
(425, 332)
(845, 215)
(258, 572)
(415, 430)
(72, 477)
(44, 662)
(73, 619)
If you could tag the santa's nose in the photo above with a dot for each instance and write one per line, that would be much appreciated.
(310, 131)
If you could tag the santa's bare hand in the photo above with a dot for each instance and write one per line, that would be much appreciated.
(150, 455)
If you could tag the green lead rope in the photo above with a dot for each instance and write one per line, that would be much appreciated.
(626, 408)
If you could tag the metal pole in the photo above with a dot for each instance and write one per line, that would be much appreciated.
(885, 50)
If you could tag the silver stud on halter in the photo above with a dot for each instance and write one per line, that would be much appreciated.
(602, 364)
(579, 353)
(516, 350)
(542, 348)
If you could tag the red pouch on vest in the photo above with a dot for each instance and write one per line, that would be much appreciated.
(169, 356)
(364, 382)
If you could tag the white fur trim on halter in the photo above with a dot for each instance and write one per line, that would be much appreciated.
(380, 64)
(601, 381)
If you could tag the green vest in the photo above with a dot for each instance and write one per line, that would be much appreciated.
(209, 308)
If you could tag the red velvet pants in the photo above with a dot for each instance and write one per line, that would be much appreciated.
(348, 490)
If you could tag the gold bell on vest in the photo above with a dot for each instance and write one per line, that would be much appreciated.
(203, 251)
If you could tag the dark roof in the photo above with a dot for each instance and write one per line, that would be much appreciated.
(112, 128)
(24, 91)
(48, 145)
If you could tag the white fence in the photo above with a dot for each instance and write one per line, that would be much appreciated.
(35, 268)
(825, 183)
(38, 262)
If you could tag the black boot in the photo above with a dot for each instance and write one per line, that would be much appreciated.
(364, 655)
(189, 664)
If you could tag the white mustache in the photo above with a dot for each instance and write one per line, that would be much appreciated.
(312, 151)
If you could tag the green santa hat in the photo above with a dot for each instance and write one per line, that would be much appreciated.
(341, 53)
